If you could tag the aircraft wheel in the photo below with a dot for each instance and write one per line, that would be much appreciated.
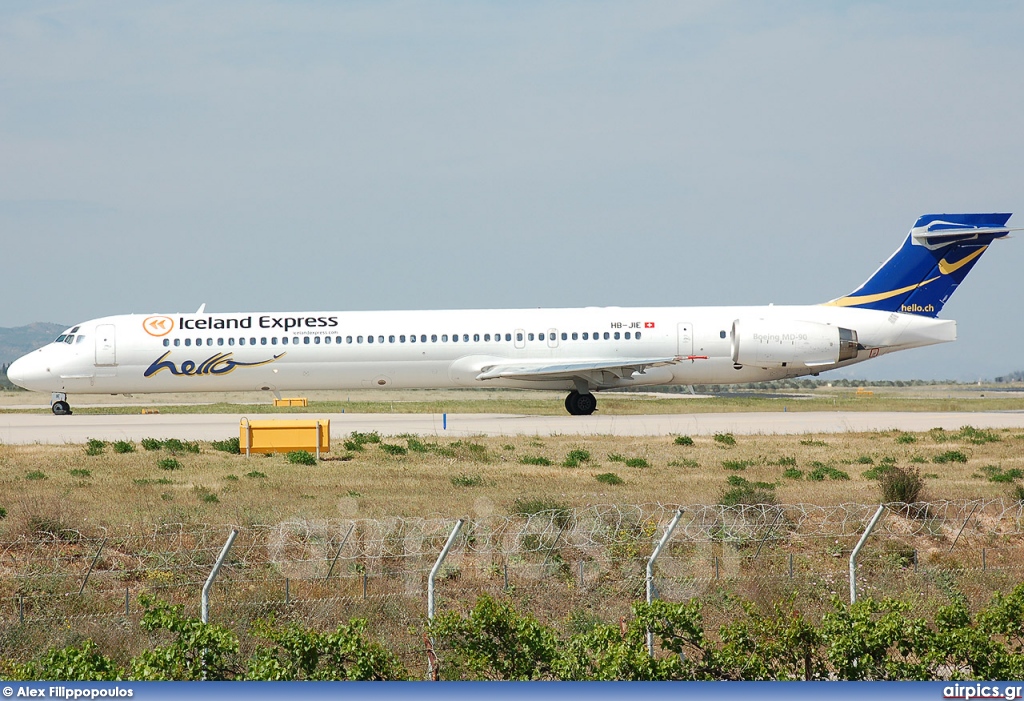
(61, 408)
(570, 401)
(581, 404)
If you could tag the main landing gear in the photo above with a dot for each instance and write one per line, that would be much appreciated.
(59, 404)
(580, 404)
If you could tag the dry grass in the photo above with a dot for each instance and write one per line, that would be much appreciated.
(475, 477)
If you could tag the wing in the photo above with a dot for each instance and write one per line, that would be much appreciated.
(620, 368)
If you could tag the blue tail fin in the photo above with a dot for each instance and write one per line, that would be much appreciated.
(920, 277)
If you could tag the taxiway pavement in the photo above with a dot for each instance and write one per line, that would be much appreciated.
(26, 429)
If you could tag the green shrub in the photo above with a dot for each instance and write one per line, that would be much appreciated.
(231, 478)
(124, 447)
(95, 447)
(576, 456)
(301, 457)
(205, 495)
(950, 456)
(3, 513)
(256, 474)
(683, 440)
(467, 480)
(168, 464)
(152, 444)
(997, 474)
(918, 459)
(725, 439)
(616, 457)
(534, 460)
(609, 478)
(230, 445)
(786, 461)
(814, 443)
(736, 465)
(394, 449)
(637, 462)
(978, 436)
(876, 472)
(793, 473)
(1017, 494)
(822, 472)
(865, 460)
(175, 446)
(531, 507)
(79, 472)
(742, 491)
(899, 485)
(906, 438)
(417, 446)
(35, 475)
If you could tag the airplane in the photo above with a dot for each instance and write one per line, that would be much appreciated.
(581, 351)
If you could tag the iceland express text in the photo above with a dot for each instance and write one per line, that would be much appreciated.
(285, 323)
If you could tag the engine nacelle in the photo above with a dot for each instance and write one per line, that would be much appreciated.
(765, 343)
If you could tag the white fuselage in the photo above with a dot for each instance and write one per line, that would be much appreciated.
(439, 349)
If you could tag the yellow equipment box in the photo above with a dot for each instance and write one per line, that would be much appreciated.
(291, 401)
(284, 436)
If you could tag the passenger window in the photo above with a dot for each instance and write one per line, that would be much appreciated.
(316, 339)
(433, 338)
(327, 339)
(231, 341)
(359, 339)
(391, 339)
(167, 342)
(263, 340)
(565, 336)
(444, 338)
(348, 339)
(575, 336)
(209, 341)
(606, 335)
(369, 339)
(273, 340)
(401, 339)
(188, 341)
(252, 341)
(412, 338)
(529, 337)
(177, 342)
(380, 339)
(627, 335)
(638, 335)
(519, 336)
(616, 335)
(199, 341)
(586, 336)
(423, 338)
(455, 338)
(241, 341)
(487, 337)
(476, 337)
(721, 334)
(220, 342)
(508, 337)
(305, 340)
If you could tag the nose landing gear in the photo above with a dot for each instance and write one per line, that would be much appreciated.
(59, 404)
(580, 403)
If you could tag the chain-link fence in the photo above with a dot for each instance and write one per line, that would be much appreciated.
(566, 567)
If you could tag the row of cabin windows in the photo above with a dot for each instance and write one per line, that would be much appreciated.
(422, 338)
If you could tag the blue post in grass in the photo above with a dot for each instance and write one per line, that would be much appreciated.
(444, 422)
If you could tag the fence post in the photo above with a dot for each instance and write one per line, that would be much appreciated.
(966, 521)
(127, 600)
(650, 572)
(21, 609)
(93, 564)
(437, 566)
(984, 565)
(364, 583)
(791, 565)
(856, 550)
(338, 554)
(287, 591)
(205, 611)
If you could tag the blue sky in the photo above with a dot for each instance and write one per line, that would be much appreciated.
(391, 155)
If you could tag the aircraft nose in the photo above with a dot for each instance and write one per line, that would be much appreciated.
(26, 372)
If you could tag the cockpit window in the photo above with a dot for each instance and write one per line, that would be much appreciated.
(60, 339)
(70, 339)
(81, 337)
(74, 330)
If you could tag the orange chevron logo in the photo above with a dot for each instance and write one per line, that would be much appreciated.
(158, 325)
(947, 268)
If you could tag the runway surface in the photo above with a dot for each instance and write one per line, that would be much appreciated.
(23, 429)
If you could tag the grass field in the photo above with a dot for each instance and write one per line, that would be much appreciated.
(406, 476)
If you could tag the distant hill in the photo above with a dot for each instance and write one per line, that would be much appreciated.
(20, 340)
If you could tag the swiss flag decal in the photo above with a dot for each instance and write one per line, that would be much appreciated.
(648, 324)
